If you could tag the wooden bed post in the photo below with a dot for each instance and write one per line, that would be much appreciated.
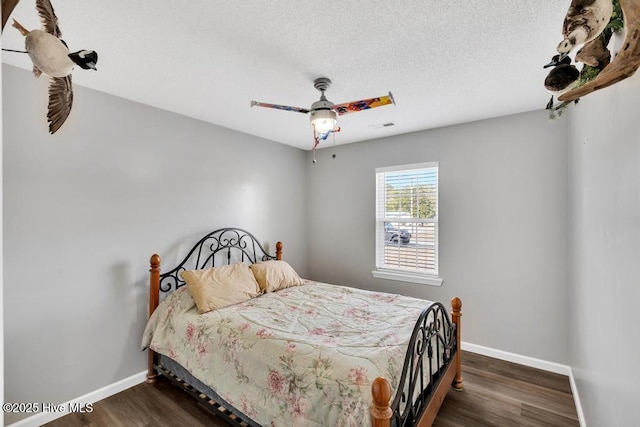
(380, 411)
(279, 251)
(154, 298)
(456, 314)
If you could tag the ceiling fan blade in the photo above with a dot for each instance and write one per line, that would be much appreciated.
(279, 107)
(365, 104)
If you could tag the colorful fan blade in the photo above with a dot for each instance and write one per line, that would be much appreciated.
(279, 107)
(365, 104)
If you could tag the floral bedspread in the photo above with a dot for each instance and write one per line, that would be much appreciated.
(302, 356)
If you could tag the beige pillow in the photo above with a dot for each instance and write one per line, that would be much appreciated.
(222, 286)
(274, 275)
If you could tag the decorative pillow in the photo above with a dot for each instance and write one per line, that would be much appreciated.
(275, 275)
(222, 286)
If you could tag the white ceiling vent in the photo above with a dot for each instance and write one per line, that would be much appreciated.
(382, 125)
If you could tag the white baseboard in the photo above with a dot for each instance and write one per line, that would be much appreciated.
(533, 363)
(518, 358)
(82, 401)
(576, 398)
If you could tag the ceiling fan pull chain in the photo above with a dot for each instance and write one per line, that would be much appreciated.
(333, 156)
(316, 141)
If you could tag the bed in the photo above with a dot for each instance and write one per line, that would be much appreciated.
(300, 353)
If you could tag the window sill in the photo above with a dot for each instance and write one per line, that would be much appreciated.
(423, 279)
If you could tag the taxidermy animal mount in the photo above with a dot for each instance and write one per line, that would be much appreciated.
(50, 55)
(591, 23)
(625, 63)
(585, 20)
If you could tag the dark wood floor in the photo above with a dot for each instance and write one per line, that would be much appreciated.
(496, 393)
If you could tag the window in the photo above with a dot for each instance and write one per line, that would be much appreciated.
(407, 223)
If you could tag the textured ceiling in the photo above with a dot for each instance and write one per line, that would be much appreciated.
(446, 62)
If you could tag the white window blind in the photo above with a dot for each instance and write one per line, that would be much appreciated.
(407, 223)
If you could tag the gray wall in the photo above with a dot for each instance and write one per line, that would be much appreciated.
(604, 160)
(503, 225)
(84, 210)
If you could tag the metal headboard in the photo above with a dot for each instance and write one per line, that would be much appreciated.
(220, 247)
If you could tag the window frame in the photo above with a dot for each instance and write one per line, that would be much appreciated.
(430, 277)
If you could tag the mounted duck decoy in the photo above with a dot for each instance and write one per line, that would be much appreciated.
(562, 78)
(625, 63)
(585, 20)
(50, 55)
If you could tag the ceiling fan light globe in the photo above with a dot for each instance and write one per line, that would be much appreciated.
(323, 121)
(324, 125)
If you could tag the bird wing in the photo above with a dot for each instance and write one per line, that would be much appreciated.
(48, 17)
(60, 101)
(7, 8)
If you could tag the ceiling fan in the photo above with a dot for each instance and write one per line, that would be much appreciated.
(323, 112)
